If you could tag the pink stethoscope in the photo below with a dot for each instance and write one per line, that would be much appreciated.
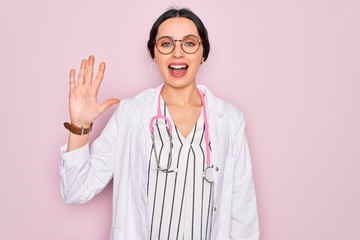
(209, 172)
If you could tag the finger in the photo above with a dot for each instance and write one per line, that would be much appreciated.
(90, 70)
(99, 76)
(81, 77)
(72, 79)
(108, 104)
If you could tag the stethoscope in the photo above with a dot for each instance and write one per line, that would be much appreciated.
(209, 172)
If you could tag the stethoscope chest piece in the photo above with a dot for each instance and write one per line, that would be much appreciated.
(209, 173)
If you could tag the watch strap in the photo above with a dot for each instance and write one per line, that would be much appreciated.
(77, 130)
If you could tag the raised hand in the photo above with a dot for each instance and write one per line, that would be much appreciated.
(83, 105)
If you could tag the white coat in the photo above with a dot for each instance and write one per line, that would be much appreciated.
(122, 152)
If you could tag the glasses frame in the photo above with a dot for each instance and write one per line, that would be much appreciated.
(181, 43)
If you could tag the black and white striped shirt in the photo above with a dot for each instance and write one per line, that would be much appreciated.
(180, 201)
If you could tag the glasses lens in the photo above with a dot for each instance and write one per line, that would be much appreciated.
(190, 44)
(165, 45)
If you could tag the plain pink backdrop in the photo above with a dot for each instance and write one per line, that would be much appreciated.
(291, 66)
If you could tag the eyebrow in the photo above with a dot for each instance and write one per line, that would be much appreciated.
(189, 35)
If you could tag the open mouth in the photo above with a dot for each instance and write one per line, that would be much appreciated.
(178, 69)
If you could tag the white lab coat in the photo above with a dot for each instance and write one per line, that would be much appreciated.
(122, 152)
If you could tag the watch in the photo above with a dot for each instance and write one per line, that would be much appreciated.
(77, 130)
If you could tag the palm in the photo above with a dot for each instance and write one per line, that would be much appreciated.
(83, 105)
(83, 109)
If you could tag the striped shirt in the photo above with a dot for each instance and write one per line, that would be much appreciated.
(180, 201)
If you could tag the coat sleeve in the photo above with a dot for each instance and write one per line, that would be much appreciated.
(86, 171)
(244, 216)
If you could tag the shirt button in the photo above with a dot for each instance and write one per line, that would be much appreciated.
(214, 209)
(216, 169)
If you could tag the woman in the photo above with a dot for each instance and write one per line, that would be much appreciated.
(190, 175)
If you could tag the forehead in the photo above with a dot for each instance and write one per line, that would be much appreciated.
(177, 27)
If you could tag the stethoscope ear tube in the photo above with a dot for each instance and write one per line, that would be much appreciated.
(169, 126)
(164, 170)
(167, 169)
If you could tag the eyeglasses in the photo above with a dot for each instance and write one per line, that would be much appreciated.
(189, 44)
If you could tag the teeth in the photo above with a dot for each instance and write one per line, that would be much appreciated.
(178, 67)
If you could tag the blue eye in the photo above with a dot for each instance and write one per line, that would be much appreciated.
(166, 44)
(189, 44)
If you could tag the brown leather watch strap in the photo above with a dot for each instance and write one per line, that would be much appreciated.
(77, 130)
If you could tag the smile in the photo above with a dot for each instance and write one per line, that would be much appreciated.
(178, 67)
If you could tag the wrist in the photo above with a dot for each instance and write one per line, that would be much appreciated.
(80, 124)
(78, 130)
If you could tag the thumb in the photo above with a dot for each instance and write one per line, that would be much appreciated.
(108, 103)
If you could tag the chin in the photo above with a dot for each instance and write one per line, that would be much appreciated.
(179, 82)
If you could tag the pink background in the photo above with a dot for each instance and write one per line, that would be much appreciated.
(291, 66)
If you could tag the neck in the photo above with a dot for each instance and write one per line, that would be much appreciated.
(181, 96)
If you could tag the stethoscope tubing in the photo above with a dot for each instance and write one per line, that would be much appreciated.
(169, 128)
(207, 141)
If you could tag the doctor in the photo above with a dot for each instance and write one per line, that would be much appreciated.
(178, 155)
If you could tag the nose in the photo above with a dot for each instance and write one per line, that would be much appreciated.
(178, 52)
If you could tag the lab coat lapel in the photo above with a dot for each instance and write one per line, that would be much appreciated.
(215, 111)
(149, 101)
